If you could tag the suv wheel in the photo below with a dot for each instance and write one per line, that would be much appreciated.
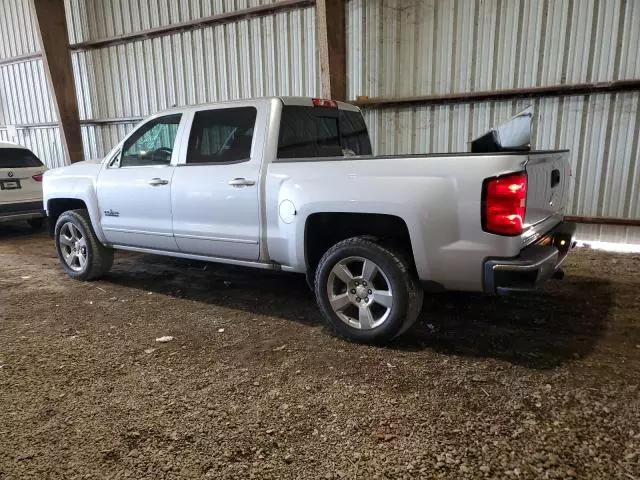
(81, 254)
(367, 291)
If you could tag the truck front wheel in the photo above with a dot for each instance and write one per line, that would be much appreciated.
(367, 291)
(81, 254)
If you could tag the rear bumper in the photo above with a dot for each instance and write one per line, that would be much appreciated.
(535, 264)
(21, 211)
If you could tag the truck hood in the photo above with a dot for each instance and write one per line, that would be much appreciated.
(78, 168)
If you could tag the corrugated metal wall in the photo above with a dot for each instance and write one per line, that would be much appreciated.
(270, 55)
(25, 97)
(403, 48)
(609, 233)
(18, 35)
(424, 47)
(94, 19)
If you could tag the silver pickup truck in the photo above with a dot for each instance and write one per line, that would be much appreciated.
(291, 184)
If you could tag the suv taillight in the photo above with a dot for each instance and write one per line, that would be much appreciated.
(504, 203)
(38, 177)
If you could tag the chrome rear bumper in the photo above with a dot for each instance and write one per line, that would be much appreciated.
(535, 264)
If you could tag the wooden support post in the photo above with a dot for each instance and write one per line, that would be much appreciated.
(332, 44)
(54, 42)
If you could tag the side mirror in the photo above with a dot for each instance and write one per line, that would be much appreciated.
(114, 162)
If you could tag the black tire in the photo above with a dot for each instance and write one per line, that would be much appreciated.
(99, 258)
(36, 223)
(407, 293)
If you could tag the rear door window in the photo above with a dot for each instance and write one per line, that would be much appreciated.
(222, 135)
(18, 158)
(307, 132)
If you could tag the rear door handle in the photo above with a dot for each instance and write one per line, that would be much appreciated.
(241, 182)
(555, 178)
(154, 182)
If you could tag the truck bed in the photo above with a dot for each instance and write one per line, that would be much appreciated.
(440, 200)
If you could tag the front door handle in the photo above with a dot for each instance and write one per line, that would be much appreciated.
(154, 182)
(241, 182)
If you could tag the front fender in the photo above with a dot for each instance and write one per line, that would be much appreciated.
(77, 182)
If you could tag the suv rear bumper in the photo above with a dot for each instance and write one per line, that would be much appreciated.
(535, 264)
(21, 211)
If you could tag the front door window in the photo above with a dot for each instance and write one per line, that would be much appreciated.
(152, 144)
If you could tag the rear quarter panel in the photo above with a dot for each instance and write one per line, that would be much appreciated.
(438, 197)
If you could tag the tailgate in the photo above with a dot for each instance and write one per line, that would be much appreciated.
(548, 175)
(18, 185)
(18, 167)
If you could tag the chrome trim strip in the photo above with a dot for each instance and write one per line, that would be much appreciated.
(228, 261)
(215, 239)
(137, 232)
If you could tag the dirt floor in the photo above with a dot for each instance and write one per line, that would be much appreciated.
(542, 385)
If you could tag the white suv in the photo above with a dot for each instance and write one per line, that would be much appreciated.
(20, 185)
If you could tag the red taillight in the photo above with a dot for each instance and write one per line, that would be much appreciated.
(321, 102)
(38, 177)
(504, 203)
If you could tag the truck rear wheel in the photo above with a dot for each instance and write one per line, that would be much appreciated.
(81, 254)
(367, 291)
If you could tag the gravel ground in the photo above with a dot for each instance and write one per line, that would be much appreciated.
(541, 385)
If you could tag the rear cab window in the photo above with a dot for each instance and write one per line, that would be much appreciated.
(315, 132)
(18, 158)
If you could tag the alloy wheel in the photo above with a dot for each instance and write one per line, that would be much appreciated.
(73, 246)
(360, 293)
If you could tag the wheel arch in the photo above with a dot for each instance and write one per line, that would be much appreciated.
(324, 229)
(58, 205)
